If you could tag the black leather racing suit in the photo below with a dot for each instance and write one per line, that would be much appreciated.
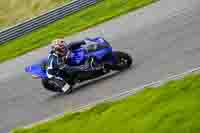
(58, 68)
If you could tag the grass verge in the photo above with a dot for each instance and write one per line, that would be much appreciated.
(171, 108)
(70, 24)
(15, 11)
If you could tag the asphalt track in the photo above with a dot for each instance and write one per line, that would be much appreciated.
(163, 38)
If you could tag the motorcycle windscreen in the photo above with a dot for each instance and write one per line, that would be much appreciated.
(36, 70)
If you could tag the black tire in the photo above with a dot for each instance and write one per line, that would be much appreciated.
(122, 60)
(55, 85)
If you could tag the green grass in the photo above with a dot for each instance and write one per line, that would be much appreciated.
(15, 11)
(171, 108)
(70, 24)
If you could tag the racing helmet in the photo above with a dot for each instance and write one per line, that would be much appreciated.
(58, 47)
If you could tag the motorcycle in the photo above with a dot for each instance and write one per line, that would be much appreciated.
(101, 51)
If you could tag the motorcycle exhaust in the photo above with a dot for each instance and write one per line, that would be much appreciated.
(35, 77)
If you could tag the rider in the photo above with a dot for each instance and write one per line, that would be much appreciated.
(59, 56)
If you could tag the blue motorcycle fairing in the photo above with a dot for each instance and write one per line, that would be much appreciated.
(36, 70)
(77, 57)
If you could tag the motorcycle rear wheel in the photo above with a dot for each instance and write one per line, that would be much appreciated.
(55, 85)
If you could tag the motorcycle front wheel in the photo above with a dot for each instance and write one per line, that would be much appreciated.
(122, 60)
